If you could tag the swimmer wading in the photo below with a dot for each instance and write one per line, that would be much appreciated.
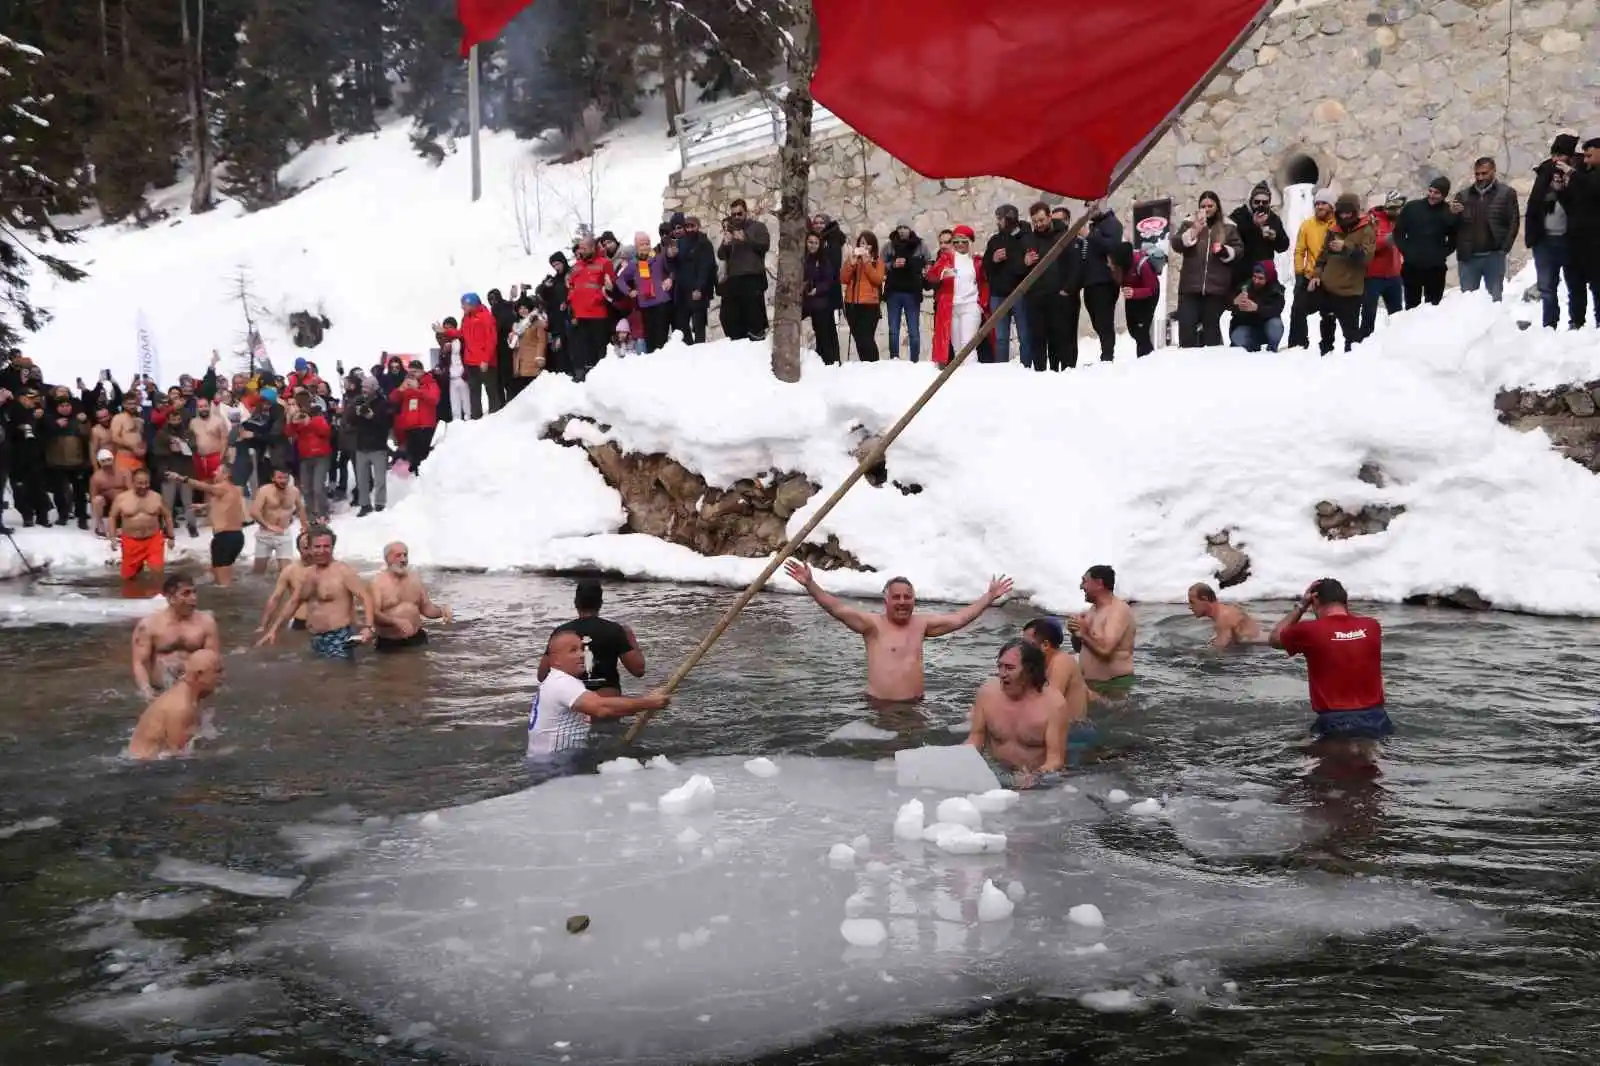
(945, 128)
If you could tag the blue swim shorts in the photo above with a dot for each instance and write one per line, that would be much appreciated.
(335, 643)
(1370, 724)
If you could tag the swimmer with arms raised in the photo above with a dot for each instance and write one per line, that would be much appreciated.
(1232, 625)
(168, 725)
(894, 638)
(163, 642)
(1018, 719)
(1105, 633)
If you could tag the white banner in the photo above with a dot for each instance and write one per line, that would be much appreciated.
(149, 360)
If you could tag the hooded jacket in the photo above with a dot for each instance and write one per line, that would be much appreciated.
(1100, 238)
(1344, 272)
(1543, 201)
(479, 337)
(1257, 247)
(1386, 259)
(905, 279)
(1269, 298)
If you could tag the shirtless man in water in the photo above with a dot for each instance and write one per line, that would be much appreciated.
(1105, 633)
(1018, 718)
(894, 638)
(402, 603)
(1060, 668)
(141, 527)
(277, 504)
(169, 724)
(1231, 624)
(226, 511)
(332, 590)
(165, 640)
(105, 485)
(288, 584)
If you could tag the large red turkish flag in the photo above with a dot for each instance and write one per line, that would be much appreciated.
(482, 20)
(1050, 93)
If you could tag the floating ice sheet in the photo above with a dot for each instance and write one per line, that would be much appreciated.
(775, 943)
(861, 731)
(957, 768)
(184, 872)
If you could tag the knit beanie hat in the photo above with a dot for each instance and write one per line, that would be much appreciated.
(1324, 196)
(1441, 183)
(1347, 204)
(1565, 144)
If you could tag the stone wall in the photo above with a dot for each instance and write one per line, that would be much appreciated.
(1367, 95)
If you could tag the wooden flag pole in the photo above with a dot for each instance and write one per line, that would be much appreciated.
(876, 455)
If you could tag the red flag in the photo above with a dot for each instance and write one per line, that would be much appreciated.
(1053, 95)
(482, 20)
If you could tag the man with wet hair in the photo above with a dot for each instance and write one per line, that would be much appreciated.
(894, 638)
(168, 725)
(330, 590)
(163, 642)
(1018, 719)
(1104, 634)
(1231, 623)
(1344, 665)
(606, 644)
(1061, 669)
(402, 602)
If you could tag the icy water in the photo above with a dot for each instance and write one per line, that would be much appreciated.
(1488, 798)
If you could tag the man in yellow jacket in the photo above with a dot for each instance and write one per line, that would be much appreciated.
(1307, 248)
(1342, 270)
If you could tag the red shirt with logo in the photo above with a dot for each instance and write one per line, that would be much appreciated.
(1344, 660)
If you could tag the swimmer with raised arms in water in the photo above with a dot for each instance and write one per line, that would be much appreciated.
(894, 638)
(163, 642)
(1018, 718)
(168, 725)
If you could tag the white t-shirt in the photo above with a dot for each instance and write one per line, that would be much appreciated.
(458, 372)
(553, 724)
(966, 281)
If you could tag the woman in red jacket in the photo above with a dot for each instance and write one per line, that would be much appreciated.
(1383, 269)
(961, 293)
(313, 443)
(416, 412)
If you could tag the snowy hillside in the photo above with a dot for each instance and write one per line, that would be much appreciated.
(379, 241)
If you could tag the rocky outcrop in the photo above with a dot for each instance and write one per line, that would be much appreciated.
(665, 499)
(1338, 524)
(306, 329)
(1569, 414)
(877, 475)
(1233, 565)
(1461, 599)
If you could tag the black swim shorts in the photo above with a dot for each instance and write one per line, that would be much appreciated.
(415, 640)
(225, 547)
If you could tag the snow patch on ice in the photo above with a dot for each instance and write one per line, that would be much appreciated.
(695, 794)
(1086, 915)
(993, 904)
(185, 872)
(863, 932)
(861, 731)
(761, 767)
(621, 765)
(30, 825)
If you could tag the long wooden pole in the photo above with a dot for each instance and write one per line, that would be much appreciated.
(876, 455)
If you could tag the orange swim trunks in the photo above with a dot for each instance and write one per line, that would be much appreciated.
(137, 554)
(128, 461)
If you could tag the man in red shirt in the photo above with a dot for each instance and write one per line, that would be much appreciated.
(1344, 663)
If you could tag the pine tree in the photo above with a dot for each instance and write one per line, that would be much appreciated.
(277, 101)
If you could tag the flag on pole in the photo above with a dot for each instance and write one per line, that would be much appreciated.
(482, 20)
(149, 359)
(1052, 95)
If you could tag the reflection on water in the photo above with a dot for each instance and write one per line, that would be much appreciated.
(1487, 796)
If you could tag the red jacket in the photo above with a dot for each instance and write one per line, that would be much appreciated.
(1386, 258)
(1142, 282)
(416, 408)
(586, 287)
(312, 438)
(479, 337)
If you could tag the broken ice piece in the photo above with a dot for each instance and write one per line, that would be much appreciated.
(959, 811)
(1146, 808)
(1087, 915)
(1015, 892)
(1116, 795)
(842, 855)
(689, 836)
(908, 823)
(761, 767)
(994, 801)
(621, 765)
(863, 932)
(661, 762)
(695, 794)
(993, 906)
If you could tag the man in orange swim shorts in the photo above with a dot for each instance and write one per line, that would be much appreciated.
(142, 525)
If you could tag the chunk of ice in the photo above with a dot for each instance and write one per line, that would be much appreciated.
(1097, 948)
(958, 839)
(689, 836)
(431, 820)
(861, 843)
(863, 932)
(1116, 795)
(861, 731)
(184, 872)
(1111, 1001)
(661, 762)
(959, 768)
(32, 825)
(695, 794)
(1086, 915)
(960, 812)
(1146, 808)
(1015, 892)
(993, 905)
(762, 767)
(639, 807)
(908, 823)
(621, 765)
(842, 855)
(994, 801)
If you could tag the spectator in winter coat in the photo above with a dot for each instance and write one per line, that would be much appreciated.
(1489, 224)
(530, 342)
(1581, 199)
(647, 280)
(863, 295)
(745, 242)
(24, 422)
(1207, 244)
(1425, 233)
(480, 346)
(505, 316)
(1052, 311)
(905, 261)
(373, 417)
(961, 292)
(308, 428)
(1342, 268)
(694, 279)
(1002, 265)
(1307, 250)
(174, 454)
(1383, 269)
(552, 294)
(833, 242)
(416, 413)
(1101, 236)
(589, 283)
(1545, 232)
(454, 396)
(1258, 311)
(1260, 229)
(1141, 294)
(65, 430)
(816, 298)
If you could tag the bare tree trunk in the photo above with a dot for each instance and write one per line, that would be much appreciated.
(794, 186)
(199, 134)
(105, 39)
(122, 27)
(670, 64)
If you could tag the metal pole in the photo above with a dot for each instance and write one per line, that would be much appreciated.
(472, 107)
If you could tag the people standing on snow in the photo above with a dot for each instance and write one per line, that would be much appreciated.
(373, 417)
(308, 428)
(1141, 294)
(1425, 233)
(1208, 244)
(1307, 251)
(416, 407)
(530, 341)
(65, 430)
(1581, 198)
(552, 294)
(1004, 269)
(833, 242)
(694, 282)
(457, 397)
(1257, 320)
(961, 294)
(505, 317)
(743, 252)
(480, 345)
(1342, 270)
(1384, 268)
(863, 295)
(1260, 230)
(1545, 232)
(1101, 235)
(816, 298)
(647, 281)
(1052, 314)
(905, 262)
(1489, 225)
(588, 284)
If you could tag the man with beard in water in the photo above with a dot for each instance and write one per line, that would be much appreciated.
(402, 603)
(288, 584)
(606, 644)
(558, 722)
(1018, 719)
(331, 591)
(894, 638)
(1344, 666)
(168, 725)
(1104, 634)
(163, 642)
